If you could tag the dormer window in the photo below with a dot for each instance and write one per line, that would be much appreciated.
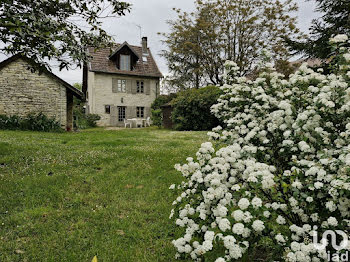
(125, 57)
(125, 62)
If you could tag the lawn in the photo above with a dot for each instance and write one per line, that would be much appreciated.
(70, 196)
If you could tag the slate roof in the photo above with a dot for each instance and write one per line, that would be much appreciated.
(101, 62)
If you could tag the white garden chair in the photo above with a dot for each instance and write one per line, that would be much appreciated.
(139, 123)
(148, 121)
(127, 123)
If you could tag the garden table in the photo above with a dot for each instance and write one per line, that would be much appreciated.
(137, 121)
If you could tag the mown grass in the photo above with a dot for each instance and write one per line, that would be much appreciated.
(70, 196)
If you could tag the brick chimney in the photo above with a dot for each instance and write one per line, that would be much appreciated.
(144, 45)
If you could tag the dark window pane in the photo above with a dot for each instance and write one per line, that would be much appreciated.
(140, 112)
(140, 88)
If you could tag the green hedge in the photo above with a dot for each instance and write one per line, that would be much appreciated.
(32, 122)
(191, 109)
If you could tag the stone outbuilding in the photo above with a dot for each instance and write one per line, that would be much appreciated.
(23, 91)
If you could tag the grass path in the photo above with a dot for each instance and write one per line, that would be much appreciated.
(68, 197)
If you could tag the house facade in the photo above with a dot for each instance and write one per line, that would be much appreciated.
(23, 92)
(122, 84)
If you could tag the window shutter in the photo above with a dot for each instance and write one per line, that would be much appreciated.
(115, 85)
(133, 111)
(133, 87)
(129, 84)
(114, 116)
(128, 112)
(147, 87)
(147, 112)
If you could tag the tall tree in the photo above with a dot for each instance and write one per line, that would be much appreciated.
(199, 43)
(56, 29)
(335, 20)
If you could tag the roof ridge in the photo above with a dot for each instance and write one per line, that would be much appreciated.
(101, 63)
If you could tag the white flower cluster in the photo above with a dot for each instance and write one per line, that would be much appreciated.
(339, 39)
(284, 169)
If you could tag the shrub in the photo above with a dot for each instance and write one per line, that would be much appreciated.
(156, 111)
(83, 120)
(91, 119)
(10, 122)
(157, 117)
(162, 100)
(191, 109)
(33, 122)
(278, 174)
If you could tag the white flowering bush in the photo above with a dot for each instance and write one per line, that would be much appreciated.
(276, 175)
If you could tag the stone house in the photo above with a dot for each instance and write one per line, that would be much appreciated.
(121, 84)
(23, 91)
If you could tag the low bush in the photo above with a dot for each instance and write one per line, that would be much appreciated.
(191, 109)
(32, 122)
(83, 120)
(91, 120)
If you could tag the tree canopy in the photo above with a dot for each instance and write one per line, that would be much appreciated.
(56, 29)
(335, 20)
(199, 43)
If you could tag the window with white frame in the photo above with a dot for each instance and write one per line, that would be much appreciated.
(121, 113)
(125, 62)
(121, 85)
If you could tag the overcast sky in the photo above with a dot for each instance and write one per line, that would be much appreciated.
(152, 15)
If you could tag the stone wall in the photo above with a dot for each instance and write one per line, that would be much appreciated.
(100, 94)
(23, 92)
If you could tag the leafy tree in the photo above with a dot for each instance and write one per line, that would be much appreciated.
(56, 29)
(199, 43)
(335, 20)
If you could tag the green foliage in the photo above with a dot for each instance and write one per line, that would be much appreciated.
(43, 30)
(82, 120)
(162, 100)
(191, 109)
(334, 21)
(157, 117)
(78, 86)
(33, 122)
(199, 43)
(156, 113)
(91, 119)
